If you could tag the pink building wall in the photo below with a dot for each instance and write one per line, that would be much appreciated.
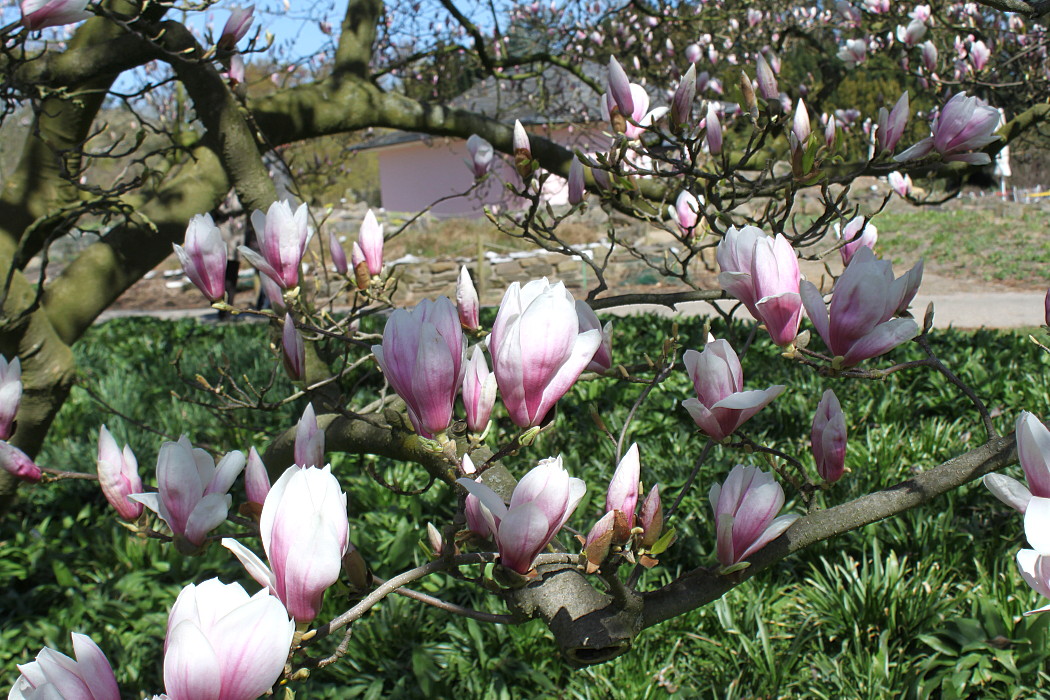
(415, 174)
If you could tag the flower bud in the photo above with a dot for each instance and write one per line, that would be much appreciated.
(236, 27)
(335, 248)
(293, 350)
(18, 463)
(118, 475)
(10, 395)
(576, 182)
(256, 478)
(767, 81)
(309, 440)
(828, 438)
(203, 257)
(651, 518)
(522, 151)
(682, 105)
(481, 155)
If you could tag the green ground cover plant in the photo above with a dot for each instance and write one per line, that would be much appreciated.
(927, 604)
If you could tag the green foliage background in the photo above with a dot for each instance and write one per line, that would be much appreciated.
(927, 604)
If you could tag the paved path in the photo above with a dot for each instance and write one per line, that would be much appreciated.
(955, 304)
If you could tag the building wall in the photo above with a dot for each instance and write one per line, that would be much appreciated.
(416, 174)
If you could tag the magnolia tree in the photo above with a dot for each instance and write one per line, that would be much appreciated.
(715, 118)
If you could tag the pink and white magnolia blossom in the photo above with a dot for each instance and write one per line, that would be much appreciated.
(118, 475)
(203, 257)
(622, 495)
(256, 478)
(766, 80)
(309, 440)
(857, 233)
(18, 464)
(305, 533)
(891, 124)
(522, 150)
(763, 273)
(192, 495)
(538, 349)
(901, 184)
(10, 395)
(479, 391)
(828, 438)
(625, 105)
(577, 182)
(721, 405)
(467, 303)
(1033, 452)
(713, 130)
(602, 360)
(481, 155)
(963, 125)
(686, 212)
(745, 509)
(293, 350)
(282, 237)
(423, 358)
(859, 322)
(335, 249)
(539, 506)
(55, 676)
(682, 103)
(1034, 563)
(853, 52)
(929, 56)
(370, 242)
(39, 14)
(236, 27)
(223, 644)
(912, 34)
(979, 55)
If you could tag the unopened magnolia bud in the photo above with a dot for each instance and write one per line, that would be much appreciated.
(927, 320)
(802, 340)
(599, 541)
(576, 182)
(522, 151)
(358, 576)
(437, 542)
(652, 518)
(749, 95)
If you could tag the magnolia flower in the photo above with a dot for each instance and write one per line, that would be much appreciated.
(309, 440)
(979, 55)
(721, 405)
(282, 239)
(602, 360)
(859, 322)
(828, 438)
(1033, 452)
(192, 497)
(767, 81)
(622, 496)
(10, 395)
(763, 273)
(256, 478)
(853, 52)
(686, 212)
(912, 34)
(537, 348)
(236, 27)
(576, 182)
(856, 234)
(481, 155)
(222, 644)
(370, 241)
(55, 675)
(891, 124)
(1035, 563)
(467, 302)
(745, 510)
(522, 150)
(929, 56)
(539, 506)
(682, 104)
(422, 356)
(713, 130)
(335, 249)
(18, 464)
(38, 14)
(305, 533)
(901, 184)
(479, 391)
(963, 125)
(293, 350)
(625, 104)
(118, 475)
(203, 258)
